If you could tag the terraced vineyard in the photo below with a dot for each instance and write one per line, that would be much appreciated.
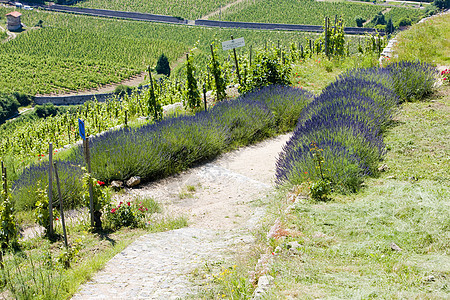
(73, 52)
(397, 13)
(187, 9)
(304, 12)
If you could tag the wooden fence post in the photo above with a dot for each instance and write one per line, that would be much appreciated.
(50, 188)
(88, 163)
(63, 222)
(237, 65)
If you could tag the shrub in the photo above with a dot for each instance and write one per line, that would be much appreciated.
(162, 65)
(409, 80)
(285, 102)
(127, 214)
(121, 90)
(267, 69)
(8, 107)
(379, 19)
(101, 197)
(33, 177)
(23, 99)
(442, 4)
(345, 121)
(296, 165)
(412, 80)
(405, 21)
(360, 21)
(46, 110)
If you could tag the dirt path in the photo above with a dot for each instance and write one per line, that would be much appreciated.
(11, 35)
(133, 81)
(223, 201)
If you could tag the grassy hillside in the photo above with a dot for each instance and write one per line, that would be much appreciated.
(428, 41)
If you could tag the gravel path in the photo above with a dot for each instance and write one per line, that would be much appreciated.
(222, 215)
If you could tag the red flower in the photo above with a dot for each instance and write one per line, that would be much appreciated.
(113, 210)
(128, 203)
(56, 219)
(306, 172)
(100, 182)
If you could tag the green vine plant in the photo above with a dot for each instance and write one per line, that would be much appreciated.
(321, 188)
(41, 212)
(192, 95)
(8, 226)
(101, 197)
(269, 67)
(219, 82)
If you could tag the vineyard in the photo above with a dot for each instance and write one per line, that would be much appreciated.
(187, 9)
(305, 12)
(66, 55)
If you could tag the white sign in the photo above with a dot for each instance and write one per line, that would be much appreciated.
(231, 44)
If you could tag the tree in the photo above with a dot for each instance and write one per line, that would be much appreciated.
(442, 4)
(379, 19)
(359, 21)
(162, 66)
(404, 22)
(389, 26)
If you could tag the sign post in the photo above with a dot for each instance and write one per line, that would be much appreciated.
(50, 188)
(233, 44)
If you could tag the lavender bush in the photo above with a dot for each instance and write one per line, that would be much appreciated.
(24, 189)
(410, 80)
(346, 122)
(157, 150)
(285, 102)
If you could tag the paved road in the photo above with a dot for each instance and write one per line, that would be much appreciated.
(208, 23)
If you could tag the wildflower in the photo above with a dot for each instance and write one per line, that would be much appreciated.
(128, 203)
(113, 210)
(100, 182)
(306, 172)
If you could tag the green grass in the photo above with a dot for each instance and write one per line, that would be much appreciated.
(427, 42)
(315, 73)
